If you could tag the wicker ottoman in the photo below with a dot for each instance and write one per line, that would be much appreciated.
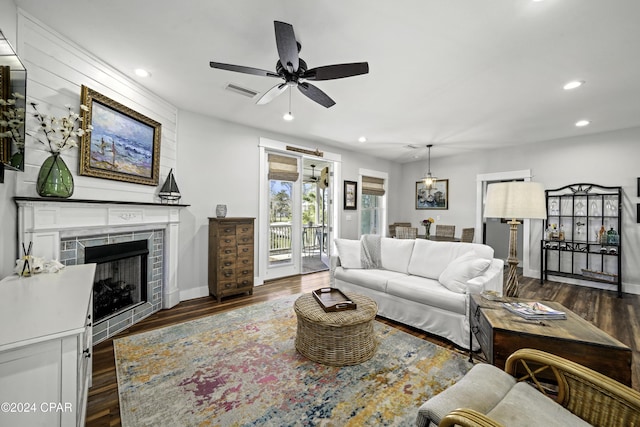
(338, 338)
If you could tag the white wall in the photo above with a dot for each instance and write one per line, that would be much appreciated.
(56, 68)
(609, 159)
(219, 164)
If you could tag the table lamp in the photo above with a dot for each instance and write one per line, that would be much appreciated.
(515, 200)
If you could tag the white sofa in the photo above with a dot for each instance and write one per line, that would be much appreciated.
(421, 283)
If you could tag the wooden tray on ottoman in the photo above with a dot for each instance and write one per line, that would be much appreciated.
(332, 299)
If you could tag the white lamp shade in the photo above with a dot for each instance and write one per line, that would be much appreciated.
(518, 199)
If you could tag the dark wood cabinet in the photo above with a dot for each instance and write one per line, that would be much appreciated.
(231, 246)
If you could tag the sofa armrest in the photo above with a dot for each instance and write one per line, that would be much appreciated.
(491, 280)
(334, 262)
(465, 417)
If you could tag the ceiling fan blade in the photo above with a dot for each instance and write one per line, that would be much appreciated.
(243, 69)
(287, 46)
(272, 93)
(315, 94)
(337, 71)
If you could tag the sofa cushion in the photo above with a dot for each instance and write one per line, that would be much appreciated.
(429, 258)
(480, 389)
(372, 279)
(428, 292)
(349, 252)
(460, 270)
(396, 254)
(524, 406)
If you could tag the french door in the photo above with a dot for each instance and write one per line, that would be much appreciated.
(296, 214)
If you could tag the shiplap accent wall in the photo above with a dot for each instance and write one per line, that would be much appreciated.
(57, 67)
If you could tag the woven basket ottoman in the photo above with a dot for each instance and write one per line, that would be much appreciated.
(338, 338)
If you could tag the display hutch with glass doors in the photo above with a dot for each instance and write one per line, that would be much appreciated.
(582, 236)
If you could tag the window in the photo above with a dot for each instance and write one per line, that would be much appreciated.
(372, 205)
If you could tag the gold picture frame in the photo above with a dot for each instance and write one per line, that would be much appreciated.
(124, 145)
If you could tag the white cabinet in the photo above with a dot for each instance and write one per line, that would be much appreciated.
(45, 347)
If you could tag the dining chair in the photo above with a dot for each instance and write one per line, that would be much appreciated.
(467, 235)
(392, 227)
(406, 232)
(445, 230)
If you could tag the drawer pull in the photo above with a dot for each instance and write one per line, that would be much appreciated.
(228, 230)
(228, 274)
(228, 285)
(228, 251)
(228, 263)
(227, 240)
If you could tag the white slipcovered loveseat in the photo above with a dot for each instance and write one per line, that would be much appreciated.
(421, 283)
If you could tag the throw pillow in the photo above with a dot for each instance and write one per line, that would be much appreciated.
(465, 267)
(349, 253)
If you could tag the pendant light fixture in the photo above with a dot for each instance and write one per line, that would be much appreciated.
(288, 116)
(429, 180)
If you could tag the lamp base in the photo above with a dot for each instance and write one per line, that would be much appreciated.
(511, 288)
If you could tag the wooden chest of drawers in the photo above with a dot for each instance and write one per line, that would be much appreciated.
(230, 256)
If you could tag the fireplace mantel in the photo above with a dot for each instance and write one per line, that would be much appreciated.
(44, 221)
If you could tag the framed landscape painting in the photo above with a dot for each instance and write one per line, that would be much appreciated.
(124, 145)
(436, 198)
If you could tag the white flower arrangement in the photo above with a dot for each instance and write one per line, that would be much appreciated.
(12, 119)
(60, 133)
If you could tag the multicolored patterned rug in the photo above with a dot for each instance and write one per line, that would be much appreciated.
(240, 368)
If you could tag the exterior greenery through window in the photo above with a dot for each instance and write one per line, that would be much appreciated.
(372, 205)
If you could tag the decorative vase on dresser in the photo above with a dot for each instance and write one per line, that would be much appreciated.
(230, 256)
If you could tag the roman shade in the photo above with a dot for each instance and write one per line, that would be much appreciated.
(372, 186)
(283, 168)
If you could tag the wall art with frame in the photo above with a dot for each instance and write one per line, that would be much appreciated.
(436, 198)
(350, 195)
(124, 144)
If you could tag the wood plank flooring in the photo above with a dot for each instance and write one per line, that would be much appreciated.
(616, 316)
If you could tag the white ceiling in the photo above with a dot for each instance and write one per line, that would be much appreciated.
(460, 74)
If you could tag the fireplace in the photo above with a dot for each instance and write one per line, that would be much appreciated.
(121, 277)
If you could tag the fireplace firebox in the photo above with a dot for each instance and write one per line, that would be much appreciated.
(121, 277)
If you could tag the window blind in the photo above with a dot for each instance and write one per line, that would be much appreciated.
(372, 186)
(283, 168)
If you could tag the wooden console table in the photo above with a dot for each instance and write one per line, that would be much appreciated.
(500, 333)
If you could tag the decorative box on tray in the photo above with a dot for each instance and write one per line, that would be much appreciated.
(332, 299)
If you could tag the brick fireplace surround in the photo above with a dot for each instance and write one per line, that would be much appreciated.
(60, 229)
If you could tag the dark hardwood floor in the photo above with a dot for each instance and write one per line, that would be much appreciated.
(616, 316)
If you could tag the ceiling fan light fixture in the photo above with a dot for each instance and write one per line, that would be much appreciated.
(288, 116)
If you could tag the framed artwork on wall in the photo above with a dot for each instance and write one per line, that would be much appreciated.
(350, 195)
(436, 198)
(124, 144)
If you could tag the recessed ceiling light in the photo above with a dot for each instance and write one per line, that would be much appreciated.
(582, 123)
(573, 84)
(362, 139)
(142, 72)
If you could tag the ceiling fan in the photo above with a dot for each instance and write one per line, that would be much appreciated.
(293, 70)
(313, 177)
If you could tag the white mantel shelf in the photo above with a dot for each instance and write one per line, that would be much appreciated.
(44, 221)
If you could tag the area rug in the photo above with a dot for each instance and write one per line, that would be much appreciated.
(240, 368)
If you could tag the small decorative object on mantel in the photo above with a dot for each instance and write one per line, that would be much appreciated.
(221, 211)
(54, 178)
(169, 193)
